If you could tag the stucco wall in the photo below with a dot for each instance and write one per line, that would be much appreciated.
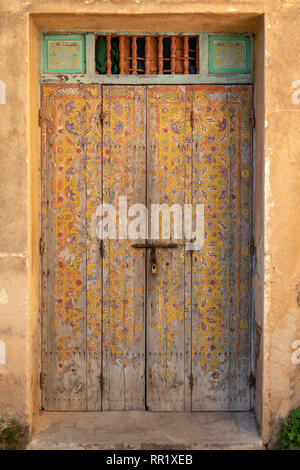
(277, 187)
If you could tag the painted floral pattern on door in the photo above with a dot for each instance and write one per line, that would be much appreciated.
(71, 144)
(156, 144)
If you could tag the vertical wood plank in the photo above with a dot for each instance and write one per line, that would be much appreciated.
(210, 266)
(90, 53)
(93, 144)
(124, 267)
(217, 364)
(166, 288)
(64, 320)
(240, 98)
(188, 199)
(203, 55)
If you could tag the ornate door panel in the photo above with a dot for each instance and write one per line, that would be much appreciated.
(127, 328)
(124, 175)
(71, 267)
(198, 342)
(168, 312)
(221, 272)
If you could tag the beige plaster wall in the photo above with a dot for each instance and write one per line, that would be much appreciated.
(277, 186)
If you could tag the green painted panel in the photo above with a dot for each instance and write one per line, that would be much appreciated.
(229, 54)
(64, 53)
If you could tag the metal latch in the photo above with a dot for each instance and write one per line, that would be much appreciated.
(152, 246)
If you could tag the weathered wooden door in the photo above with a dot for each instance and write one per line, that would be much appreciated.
(116, 335)
(198, 339)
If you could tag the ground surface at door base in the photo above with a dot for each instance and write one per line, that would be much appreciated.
(134, 430)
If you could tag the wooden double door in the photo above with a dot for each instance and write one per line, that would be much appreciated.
(115, 334)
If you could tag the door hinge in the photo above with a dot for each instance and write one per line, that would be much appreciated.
(191, 382)
(42, 247)
(252, 248)
(40, 117)
(252, 121)
(251, 380)
(42, 380)
(102, 382)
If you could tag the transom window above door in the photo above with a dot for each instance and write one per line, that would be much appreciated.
(110, 57)
(147, 55)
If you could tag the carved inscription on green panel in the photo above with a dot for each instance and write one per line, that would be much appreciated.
(64, 53)
(229, 54)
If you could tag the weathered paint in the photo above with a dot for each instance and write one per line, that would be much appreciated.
(70, 140)
(64, 53)
(204, 50)
(276, 195)
(167, 181)
(94, 185)
(198, 305)
(229, 54)
(124, 174)
(221, 274)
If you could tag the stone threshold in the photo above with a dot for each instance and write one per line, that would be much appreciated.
(138, 430)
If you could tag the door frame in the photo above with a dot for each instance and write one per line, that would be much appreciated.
(253, 178)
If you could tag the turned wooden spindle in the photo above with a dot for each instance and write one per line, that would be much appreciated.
(121, 55)
(147, 55)
(133, 55)
(160, 57)
(173, 54)
(186, 54)
(108, 55)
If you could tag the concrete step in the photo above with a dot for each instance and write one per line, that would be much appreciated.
(134, 430)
